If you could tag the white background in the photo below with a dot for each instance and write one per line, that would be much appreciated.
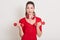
(12, 10)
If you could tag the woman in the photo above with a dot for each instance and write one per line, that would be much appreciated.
(30, 25)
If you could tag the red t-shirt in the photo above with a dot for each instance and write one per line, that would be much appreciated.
(29, 30)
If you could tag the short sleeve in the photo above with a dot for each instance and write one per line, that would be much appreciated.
(22, 22)
(39, 20)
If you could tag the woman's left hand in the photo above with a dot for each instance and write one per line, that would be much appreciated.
(38, 24)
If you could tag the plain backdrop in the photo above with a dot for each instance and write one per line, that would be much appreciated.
(12, 10)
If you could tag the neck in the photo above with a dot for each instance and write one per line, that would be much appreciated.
(31, 16)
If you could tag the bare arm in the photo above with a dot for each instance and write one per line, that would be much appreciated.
(20, 30)
(39, 32)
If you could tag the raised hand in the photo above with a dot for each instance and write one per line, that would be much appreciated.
(38, 24)
(43, 23)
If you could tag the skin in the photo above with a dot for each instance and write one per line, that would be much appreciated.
(30, 9)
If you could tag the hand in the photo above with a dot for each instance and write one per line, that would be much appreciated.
(38, 24)
(17, 24)
(43, 23)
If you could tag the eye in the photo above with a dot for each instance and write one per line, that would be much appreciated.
(31, 8)
(27, 7)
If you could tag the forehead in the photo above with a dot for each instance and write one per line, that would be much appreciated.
(30, 5)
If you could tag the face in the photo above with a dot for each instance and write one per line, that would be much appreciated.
(30, 9)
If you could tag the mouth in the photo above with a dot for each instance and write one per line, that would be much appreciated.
(29, 12)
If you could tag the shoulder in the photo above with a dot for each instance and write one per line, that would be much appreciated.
(38, 19)
(22, 20)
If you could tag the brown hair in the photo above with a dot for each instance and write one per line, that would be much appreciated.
(26, 14)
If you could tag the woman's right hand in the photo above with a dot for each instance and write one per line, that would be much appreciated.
(19, 26)
(16, 24)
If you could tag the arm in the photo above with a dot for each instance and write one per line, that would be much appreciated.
(39, 32)
(20, 29)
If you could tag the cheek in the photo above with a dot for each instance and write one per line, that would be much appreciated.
(27, 10)
(32, 10)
